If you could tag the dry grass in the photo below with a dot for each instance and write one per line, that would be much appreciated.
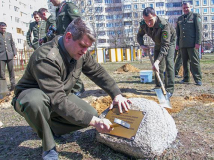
(193, 112)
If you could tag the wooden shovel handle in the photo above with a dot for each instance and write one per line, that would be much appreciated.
(161, 83)
(158, 76)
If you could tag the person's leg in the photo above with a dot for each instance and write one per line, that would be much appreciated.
(170, 75)
(2, 69)
(11, 73)
(185, 61)
(178, 63)
(195, 64)
(34, 106)
(61, 126)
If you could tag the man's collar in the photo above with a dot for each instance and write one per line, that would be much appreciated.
(61, 44)
(62, 4)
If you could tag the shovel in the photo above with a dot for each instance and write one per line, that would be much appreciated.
(162, 95)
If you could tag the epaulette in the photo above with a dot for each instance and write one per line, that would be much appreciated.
(161, 26)
(53, 54)
(142, 22)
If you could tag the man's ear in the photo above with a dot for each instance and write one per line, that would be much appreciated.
(68, 36)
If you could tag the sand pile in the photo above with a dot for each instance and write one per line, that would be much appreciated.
(127, 68)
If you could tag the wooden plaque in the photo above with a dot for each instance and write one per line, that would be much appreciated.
(132, 117)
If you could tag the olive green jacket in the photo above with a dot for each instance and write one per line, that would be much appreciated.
(189, 30)
(65, 16)
(162, 33)
(50, 21)
(50, 71)
(38, 33)
(7, 46)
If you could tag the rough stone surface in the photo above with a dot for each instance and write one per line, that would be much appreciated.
(155, 133)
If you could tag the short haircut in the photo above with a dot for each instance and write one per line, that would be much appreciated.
(148, 10)
(35, 13)
(3, 24)
(42, 10)
(185, 3)
(78, 28)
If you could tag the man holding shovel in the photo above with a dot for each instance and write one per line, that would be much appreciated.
(164, 36)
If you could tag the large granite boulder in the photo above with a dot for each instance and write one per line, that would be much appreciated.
(155, 133)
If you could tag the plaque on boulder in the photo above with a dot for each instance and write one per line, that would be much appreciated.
(132, 117)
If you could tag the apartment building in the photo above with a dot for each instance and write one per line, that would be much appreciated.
(116, 22)
(17, 14)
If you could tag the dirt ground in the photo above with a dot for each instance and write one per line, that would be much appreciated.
(192, 110)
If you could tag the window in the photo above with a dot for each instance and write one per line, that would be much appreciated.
(127, 23)
(197, 10)
(206, 35)
(98, 1)
(151, 5)
(127, 15)
(135, 15)
(98, 9)
(205, 10)
(89, 2)
(127, 7)
(109, 25)
(101, 40)
(118, 24)
(160, 12)
(212, 18)
(212, 10)
(100, 25)
(16, 9)
(197, 3)
(204, 2)
(109, 17)
(212, 1)
(19, 30)
(205, 19)
(16, 19)
(99, 17)
(135, 6)
(176, 12)
(176, 4)
(205, 26)
(159, 4)
(101, 33)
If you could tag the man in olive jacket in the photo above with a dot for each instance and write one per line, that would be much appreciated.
(65, 14)
(50, 22)
(43, 95)
(164, 36)
(189, 29)
(7, 53)
(36, 31)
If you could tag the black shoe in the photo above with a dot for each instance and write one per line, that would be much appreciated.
(12, 87)
(169, 95)
(182, 82)
(199, 83)
(50, 155)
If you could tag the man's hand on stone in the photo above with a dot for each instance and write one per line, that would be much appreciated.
(121, 102)
(101, 125)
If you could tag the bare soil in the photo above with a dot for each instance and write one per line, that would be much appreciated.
(192, 110)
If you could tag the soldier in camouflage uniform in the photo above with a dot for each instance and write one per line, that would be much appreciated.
(38, 29)
(43, 95)
(65, 14)
(50, 21)
(189, 29)
(164, 36)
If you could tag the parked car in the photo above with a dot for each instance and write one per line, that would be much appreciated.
(207, 51)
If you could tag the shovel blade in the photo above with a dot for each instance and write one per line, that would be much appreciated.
(163, 100)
